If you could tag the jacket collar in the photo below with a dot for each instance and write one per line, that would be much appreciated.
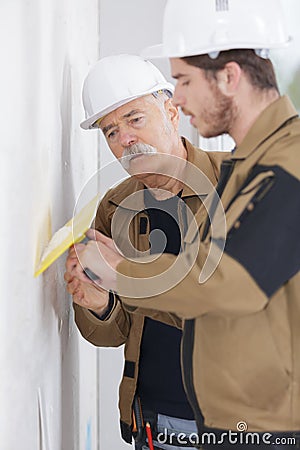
(268, 122)
(195, 184)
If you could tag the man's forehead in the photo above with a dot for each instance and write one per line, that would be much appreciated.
(181, 68)
(134, 106)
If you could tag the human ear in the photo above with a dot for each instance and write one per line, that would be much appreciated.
(228, 78)
(172, 111)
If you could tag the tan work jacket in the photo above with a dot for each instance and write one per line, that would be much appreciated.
(123, 327)
(241, 334)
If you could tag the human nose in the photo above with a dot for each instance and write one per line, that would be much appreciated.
(178, 98)
(127, 138)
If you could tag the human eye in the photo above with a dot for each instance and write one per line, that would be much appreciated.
(185, 82)
(138, 120)
(111, 134)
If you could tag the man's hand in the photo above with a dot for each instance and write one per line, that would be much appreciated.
(84, 293)
(95, 235)
(87, 295)
(100, 256)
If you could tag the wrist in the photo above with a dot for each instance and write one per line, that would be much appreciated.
(100, 311)
(103, 312)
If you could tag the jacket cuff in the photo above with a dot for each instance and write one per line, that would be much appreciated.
(110, 306)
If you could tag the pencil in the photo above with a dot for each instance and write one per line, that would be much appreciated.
(149, 436)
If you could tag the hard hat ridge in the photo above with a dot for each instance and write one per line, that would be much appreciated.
(197, 27)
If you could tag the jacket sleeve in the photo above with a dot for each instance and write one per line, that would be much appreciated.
(111, 332)
(261, 254)
(160, 316)
(114, 330)
(230, 290)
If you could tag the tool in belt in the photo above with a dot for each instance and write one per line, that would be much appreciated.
(138, 429)
(139, 421)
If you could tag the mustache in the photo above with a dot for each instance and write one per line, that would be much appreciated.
(136, 149)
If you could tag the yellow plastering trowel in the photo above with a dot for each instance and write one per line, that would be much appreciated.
(72, 232)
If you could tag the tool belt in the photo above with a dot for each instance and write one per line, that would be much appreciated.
(140, 418)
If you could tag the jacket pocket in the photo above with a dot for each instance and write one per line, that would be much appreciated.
(264, 379)
(247, 198)
(251, 369)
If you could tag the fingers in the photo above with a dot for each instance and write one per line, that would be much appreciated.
(72, 252)
(67, 277)
(97, 236)
(78, 298)
(88, 296)
(78, 273)
(73, 286)
(70, 265)
(99, 259)
(71, 260)
(76, 289)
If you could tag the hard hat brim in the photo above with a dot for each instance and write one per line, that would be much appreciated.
(88, 123)
(159, 50)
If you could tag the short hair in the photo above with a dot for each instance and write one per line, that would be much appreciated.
(260, 71)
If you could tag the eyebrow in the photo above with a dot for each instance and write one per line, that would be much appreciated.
(107, 128)
(178, 75)
(126, 116)
(132, 113)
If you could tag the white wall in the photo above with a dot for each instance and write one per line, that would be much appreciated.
(46, 48)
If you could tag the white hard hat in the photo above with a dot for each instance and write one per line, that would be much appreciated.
(197, 27)
(116, 80)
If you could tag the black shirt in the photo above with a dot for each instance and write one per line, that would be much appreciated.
(160, 384)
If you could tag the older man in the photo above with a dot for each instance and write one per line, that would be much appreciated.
(130, 101)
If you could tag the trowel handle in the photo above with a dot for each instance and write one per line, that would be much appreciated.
(91, 275)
